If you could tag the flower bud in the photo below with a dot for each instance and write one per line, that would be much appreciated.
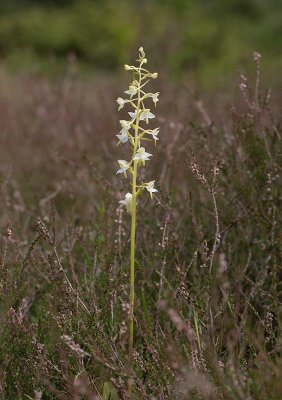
(145, 61)
(257, 57)
(154, 75)
(127, 67)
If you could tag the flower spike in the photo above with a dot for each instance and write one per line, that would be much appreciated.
(132, 134)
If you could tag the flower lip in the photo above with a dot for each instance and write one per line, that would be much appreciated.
(155, 97)
(142, 155)
(146, 115)
(125, 124)
(131, 91)
(123, 137)
(154, 134)
(150, 187)
(121, 102)
(127, 201)
(124, 165)
(133, 114)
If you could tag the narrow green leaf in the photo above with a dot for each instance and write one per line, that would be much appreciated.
(109, 392)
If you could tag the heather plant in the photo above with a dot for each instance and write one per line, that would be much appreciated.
(134, 134)
(207, 311)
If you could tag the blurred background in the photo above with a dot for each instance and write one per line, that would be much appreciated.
(204, 40)
(211, 251)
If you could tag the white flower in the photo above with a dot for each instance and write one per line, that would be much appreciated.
(125, 125)
(121, 102)
(124, 165)
(154, 134)
(142, 52)
(150, 187)
(155, 98)
(146, 115)
(133, 114)
(141, 155)
(131, 91)
(127, 202)
(123, 137)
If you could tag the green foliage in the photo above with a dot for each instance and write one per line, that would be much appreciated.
(204, 39)
(109, 392)
(99, 35)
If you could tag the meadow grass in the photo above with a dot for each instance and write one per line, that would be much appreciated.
(207, 311)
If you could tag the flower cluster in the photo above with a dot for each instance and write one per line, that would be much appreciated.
(135, 129)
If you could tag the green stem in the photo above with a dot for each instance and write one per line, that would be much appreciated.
(132, 270)
(132, 245)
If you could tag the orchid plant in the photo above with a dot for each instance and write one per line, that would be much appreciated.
(134, 132)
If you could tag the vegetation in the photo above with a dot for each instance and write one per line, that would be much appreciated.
(205, 39)
(208, 248)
